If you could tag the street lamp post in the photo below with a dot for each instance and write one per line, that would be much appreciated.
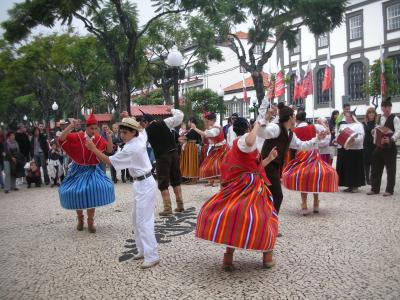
(174, 59)
(221, 94)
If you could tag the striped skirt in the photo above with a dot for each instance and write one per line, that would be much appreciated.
(240, 215)
(211, 166)
(86, 187)
(189, 161)
(309, 173)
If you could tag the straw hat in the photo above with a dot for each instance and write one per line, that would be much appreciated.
(130, 123)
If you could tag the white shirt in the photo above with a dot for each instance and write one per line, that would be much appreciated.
(133, 156)
(243, 146)
(213, 132)
(272, 131)
(318, 128)
(175, 120)
(358, 128)
(231, 136)
(396, 121)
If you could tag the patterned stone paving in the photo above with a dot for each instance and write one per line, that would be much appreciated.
(350, 250)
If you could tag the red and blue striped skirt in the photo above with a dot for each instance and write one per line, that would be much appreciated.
(240, 215)
(86, 187)
(211, 166)
(309, 173)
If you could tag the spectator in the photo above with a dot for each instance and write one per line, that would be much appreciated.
(369, 146)
(13, 163)
(22, 138)
(56, 171)
(40, 152)
(2, 141)
(33, 175)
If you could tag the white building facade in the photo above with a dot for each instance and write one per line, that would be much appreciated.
(354, 47)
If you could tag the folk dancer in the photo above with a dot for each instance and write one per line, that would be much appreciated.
(386, 156)
(350, 164)
(86, 186)
(210, 168)
(241, 214)
(165, 150)
(134, 157)
(308, 172)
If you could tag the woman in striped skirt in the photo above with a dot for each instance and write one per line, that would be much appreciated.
(86, 185)
(210, 168)
(189, 161)
(308, 172)
(241, 214)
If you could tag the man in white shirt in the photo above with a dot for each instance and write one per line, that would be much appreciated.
(134, 157)
(385, 156)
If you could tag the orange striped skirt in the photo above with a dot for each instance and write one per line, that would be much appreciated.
(309, 173)
(240, 215)
(211, 166)
(189, 162)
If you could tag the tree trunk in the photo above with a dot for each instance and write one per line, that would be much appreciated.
(258, 85)
(124, 95)
(77, 104)
(166, 94)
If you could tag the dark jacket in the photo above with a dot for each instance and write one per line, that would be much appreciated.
(23, 143)
(43, 144)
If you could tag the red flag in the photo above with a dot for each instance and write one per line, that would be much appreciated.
(327, 83)
(297, 84)
(382, 77)
(279, 84)
(245, 98)
(307, 82)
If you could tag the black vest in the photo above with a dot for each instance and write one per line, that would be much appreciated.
(389, 123)
(160, 138)
(281, 143)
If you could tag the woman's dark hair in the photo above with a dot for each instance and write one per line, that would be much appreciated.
(285, 113)
(10, 133)
(35, 128)
(281, 105)
(211, 116)
(241, 126)
(301, 116)
(193, 120)
(335, 112)
(129, 129)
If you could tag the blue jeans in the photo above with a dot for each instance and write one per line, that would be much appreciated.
(40, 161)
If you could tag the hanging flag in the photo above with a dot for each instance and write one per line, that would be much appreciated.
(382, 77)
(307, 82)
(245, 98)
(279, 82)
(297, 84)
(327, 82)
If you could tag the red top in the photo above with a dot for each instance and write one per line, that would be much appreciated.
(74, 146)
(219, 138)
(237, 162)
(305, 133)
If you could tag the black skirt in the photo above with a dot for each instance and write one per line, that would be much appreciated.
(350, 168)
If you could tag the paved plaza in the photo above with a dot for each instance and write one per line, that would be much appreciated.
(350, 250)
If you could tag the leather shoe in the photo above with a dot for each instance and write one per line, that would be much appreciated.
(372, 193)
(386, 194)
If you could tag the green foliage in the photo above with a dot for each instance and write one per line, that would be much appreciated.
(152, 98)
(202, 100)
(373, 87)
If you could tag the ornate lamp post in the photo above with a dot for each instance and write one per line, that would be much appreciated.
(221, 94)
(174, 60)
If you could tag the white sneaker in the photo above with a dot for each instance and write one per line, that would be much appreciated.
(147, 265)
(138, 256)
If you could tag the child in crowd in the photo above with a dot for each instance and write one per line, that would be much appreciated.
(33, 175)
(56, 158)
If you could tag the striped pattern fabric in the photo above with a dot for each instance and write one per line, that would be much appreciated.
(240, 215)
(309, 173)
(211, 166)
(189, 161)
(86, 187)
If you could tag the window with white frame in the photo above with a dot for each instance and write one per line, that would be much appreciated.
(393, 17)
(355, 27)
(296, 50)
(246, 109)
(322, 40)
(235, 107)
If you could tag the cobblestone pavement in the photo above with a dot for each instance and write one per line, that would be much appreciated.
(351, 250)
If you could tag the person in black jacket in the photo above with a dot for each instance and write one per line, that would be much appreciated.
(2, 154)
(40, 152)
(22, 138)
(369, 146)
